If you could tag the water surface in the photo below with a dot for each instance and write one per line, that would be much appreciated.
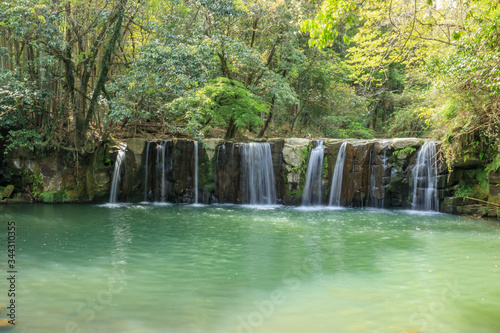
(172, 268)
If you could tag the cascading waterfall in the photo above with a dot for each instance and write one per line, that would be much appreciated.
(338, 173)
(243, 173)
(425, 194)
(146, 173)
(312, 188)
(195, 172)
(115, 184)
(257, 173)
(160, 167)
(163, 165)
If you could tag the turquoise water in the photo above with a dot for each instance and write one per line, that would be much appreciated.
(172, 268)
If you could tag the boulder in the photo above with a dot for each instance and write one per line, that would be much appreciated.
(292, 151)
(401, 143)
(494, 177)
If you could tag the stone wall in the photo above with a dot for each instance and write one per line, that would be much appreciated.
(55, 177)
(377, 173)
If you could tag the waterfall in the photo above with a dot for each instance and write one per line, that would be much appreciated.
(312, 188)
(163, 166)
(115, 184)
(338, 172)
(195, 172)
(425, 194)
(222, 148)
(146, 173)
(257, 173)
(160, 167)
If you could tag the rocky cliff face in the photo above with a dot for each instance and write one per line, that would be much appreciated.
(376, 173)
(58, 178)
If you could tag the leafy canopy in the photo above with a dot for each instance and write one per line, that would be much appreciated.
(222, 102)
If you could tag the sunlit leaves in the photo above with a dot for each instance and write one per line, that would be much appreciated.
(469, 79)
(221, 102)
(324, 27)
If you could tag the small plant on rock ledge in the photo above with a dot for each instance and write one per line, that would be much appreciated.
(36, 187)
(405, 150)
(463, 191)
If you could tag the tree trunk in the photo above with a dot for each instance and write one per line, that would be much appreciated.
(105, 67)
(268, 120)
(296, 116)
(231, 130)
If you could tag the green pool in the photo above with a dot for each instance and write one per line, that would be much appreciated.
(173, 268)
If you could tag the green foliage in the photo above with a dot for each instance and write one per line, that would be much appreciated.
(325, 26)
(324, 172)
(35, 178)
(221, 102)
(335, 68)
(405, 150)
(463, 190)
(468, 120)
(22, 138)
(345, 129)
(158, 75)
(495, 165)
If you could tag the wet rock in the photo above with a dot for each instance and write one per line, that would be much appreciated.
(136, 145)
(98, 182)
(277, 147)
(449, 205)
(494, 211)
(494, 177)
(183, 171)
(473, 209)
(227, 174)
(471, 162)
(356, 169)
(51, 174)
(294, 157)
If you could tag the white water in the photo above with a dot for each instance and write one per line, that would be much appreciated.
(160, 158)
(115, 184)
(195, 172)
(163, 165)
(338, 173)
(311, 196)
(146, 173)
(425, 194)
(257, 173)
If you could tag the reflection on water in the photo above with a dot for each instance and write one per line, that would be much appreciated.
(226, 268)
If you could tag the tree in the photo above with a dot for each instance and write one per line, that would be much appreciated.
(222, 102)
(391, 46)
(455, 43)
(67, 51)
(468, 80)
